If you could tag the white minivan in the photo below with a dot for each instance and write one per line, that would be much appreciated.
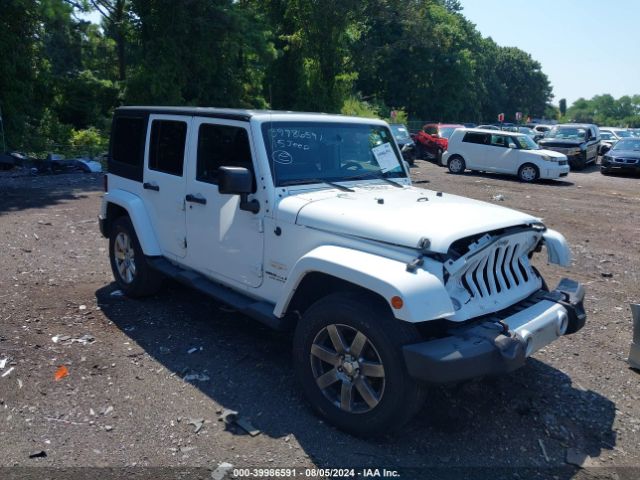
(502, 152)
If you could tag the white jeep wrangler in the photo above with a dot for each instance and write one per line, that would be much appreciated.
(310, 222)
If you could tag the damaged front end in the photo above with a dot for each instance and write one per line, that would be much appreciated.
(503, 309)
(501, 342)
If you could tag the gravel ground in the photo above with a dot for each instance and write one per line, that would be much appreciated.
(134, 395)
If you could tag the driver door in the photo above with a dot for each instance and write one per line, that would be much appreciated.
(223, 241)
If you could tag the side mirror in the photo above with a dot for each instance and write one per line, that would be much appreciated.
(238, 181)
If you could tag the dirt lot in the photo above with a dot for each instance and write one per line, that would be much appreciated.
(125, 402)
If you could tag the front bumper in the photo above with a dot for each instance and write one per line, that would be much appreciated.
(501, 342)
(622, 166)
(555, 171)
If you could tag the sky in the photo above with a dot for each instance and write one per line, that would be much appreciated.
(586, 47)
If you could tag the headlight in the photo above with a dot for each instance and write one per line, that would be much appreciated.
(574, 151)
(607, 158)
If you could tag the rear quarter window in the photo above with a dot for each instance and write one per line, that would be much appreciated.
(474, 137)
(126, 153)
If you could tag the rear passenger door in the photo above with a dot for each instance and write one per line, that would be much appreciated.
(164, 181)
(475, 150)
(223, 241)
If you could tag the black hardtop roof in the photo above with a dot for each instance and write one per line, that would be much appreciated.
(228, 113)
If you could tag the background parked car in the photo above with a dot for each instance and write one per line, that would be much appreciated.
(405, 142)
(609, 136)
(488, 127)
(502, 152)
(624, 156)
(526, 130)
(578, 141)
(433, 140)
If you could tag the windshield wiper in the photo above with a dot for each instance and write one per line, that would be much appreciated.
(373, 176)
(303, 181)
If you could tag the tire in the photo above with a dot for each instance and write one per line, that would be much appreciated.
(528, 173)
(456, 164)
(129, 265)
(439, 157)
(392, 399)
(580, 164)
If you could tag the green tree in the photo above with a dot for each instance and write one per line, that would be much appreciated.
(563, 106)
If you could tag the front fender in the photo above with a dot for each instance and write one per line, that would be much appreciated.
(423, 294)
(557, 249)
(134, 205)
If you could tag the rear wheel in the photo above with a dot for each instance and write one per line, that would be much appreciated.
(528, 173)
(129, 265)
(456, 164)
(348, 360)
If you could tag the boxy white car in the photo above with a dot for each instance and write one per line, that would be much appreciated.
(502, 152)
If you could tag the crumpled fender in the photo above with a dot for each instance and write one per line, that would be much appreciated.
(423, 294)
(557, 249)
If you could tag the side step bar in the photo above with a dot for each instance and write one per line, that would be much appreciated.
(258, 310)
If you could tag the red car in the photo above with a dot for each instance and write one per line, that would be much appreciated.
(433, 139)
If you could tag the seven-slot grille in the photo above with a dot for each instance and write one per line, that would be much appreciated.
(505, 266)
(494, 273)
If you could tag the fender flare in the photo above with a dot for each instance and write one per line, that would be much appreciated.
(134, 206)
(557, 249)
(423, 294)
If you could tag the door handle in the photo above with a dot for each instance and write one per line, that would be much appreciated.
(151, 186)
(196, 199)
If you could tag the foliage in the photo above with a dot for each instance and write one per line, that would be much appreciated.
(61, 76)
(90, 142)
(356, 107)
(606, 110)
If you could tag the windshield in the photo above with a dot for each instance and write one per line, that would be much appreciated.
(446, 132)
(607, 136)
(313, 152)
(623, 133)
(400, 132)
(527, 143)
(567, 133)
(628, 144)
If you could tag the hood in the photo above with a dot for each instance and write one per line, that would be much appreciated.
(555, 142)
(400, 217)
(624, 153)
(550, 153)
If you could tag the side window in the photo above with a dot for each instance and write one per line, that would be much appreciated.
(221, 146)
(498, 141)
(473, 137)
(127, 141)
(166, 147)
(511, 142)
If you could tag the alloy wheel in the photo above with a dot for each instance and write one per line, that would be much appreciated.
(124, 257)
(347, 368)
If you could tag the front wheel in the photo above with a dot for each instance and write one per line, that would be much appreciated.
(439, 157)
(456, 164)
(348, 360)
(528, 173)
